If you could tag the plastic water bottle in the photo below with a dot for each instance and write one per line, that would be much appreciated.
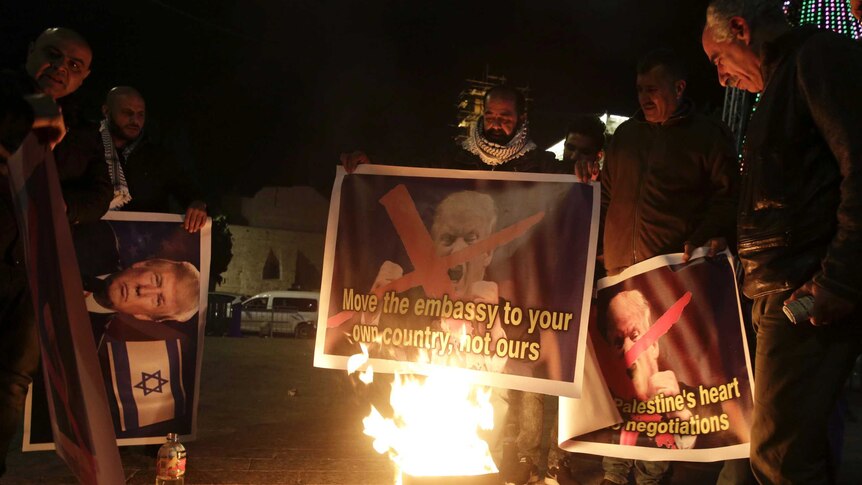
(171, 462)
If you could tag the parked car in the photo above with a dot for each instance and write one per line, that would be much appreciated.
(220, 310)
(281, 312)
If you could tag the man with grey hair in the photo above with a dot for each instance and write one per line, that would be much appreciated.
(799, 221)
(59, 61)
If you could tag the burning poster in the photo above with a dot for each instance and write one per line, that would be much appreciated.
(670, 342)
(487, 272)
(144, 286)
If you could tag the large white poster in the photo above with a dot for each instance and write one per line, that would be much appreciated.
(145, 288)
(670, 343)
(488, 272)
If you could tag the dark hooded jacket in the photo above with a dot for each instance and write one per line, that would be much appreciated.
(800, 212)
(665, 184)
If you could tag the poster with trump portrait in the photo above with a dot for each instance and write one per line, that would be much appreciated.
(489, 273)
(670, 345)
(145, 287)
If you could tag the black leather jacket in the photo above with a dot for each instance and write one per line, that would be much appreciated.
(800, 212)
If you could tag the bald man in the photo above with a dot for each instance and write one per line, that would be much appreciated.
(144, 175)
(59, 61)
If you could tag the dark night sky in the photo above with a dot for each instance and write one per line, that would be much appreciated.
(267, 92)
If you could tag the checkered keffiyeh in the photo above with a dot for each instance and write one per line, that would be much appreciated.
(492, 153)
(115, 168)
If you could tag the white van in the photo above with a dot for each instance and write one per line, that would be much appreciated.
(281, 312)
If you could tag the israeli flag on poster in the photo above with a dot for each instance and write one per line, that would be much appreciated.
(147, 381)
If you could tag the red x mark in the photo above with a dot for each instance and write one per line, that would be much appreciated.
(659, 328)
(615, 373)
(612, 368)
(430, 270)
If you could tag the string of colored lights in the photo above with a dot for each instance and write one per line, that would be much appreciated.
(829, 14)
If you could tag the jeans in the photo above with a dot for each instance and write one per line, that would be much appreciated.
(499, 401)
(19, 357)
(736, 472)
(799, 372)
(646, 472)
(556, 455)
(531, 421)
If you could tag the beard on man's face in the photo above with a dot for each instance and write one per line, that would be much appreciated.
(498, 136)
(127, 132)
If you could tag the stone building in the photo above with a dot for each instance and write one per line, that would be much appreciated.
(278, 244)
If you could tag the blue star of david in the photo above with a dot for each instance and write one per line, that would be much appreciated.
(145, 378)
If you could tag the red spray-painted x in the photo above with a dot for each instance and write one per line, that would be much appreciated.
(430, 270)
(657, 330)
(613, 368)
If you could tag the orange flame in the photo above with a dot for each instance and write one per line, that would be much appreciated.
(434, 430)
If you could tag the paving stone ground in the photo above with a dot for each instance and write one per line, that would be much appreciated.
(253, 429)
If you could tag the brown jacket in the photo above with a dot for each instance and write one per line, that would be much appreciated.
(667, 184)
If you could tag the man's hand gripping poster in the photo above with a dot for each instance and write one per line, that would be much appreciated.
(487, 272)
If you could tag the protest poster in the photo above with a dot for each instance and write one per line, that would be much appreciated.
(145, 288)
(671, 345)
(487, 272)
(75, 405)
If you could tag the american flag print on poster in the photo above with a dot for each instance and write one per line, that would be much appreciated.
(147, 381)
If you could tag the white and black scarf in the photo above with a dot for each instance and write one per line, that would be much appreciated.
(115, 168)
(495, 154)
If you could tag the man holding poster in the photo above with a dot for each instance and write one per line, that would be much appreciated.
(464, 270)
(500, 141)
(668, 185)
(144, 280)
(799, 234)
(58, 62)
